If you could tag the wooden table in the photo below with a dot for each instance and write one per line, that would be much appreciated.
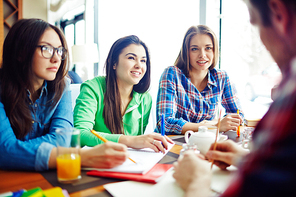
(16, 180)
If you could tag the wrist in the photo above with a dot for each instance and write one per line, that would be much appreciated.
(126, 140)
(52, 158)
(83, 155)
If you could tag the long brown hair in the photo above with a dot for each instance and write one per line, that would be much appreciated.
(182, 60)
(112, 102)
(16, 73)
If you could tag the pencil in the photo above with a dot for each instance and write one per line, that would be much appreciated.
(104, 140)
(238, 128)
(217, 132)
(100, 137)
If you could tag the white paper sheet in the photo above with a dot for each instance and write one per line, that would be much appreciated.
(145, 159)
(167, 186)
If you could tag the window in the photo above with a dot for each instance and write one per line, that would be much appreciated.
(74, 30)
(246, 60)
(162, 25)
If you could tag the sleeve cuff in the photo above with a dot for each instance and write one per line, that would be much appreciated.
(112, 137)
(42, 156)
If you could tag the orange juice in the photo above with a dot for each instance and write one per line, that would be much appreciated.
(68, 167)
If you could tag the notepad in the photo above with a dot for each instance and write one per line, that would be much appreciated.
(152, 176)
(145, 159)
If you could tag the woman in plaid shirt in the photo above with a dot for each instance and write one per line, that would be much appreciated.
(190, 91)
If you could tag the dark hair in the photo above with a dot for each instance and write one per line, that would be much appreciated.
(16, 75)
(182, 60)
(264, 9)
(112, 102)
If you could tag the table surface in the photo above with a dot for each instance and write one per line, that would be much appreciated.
(16, 180)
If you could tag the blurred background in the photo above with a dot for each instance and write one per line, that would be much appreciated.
(93, 25)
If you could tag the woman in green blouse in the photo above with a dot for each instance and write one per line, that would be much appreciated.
(118, 105)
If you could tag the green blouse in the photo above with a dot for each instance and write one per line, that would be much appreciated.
(88, 113)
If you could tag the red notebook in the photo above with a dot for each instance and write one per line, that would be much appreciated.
(152, 176)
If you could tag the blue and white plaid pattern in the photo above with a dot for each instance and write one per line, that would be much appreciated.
(181, 102)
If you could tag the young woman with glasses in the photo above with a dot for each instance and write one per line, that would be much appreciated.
(118, 105)
(35, 100)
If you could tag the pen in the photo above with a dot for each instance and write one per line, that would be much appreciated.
(238, 128)
(162, 125)
(104, 140)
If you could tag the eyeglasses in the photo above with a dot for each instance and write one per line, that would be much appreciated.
(48, 51)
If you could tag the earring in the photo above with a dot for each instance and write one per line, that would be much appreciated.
(114, 67)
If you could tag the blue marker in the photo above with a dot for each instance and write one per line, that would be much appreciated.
(162, 125)
(162, 129)
(18, 193)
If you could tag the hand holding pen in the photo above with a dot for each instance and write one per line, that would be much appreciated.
(230, 122)
(105, 140)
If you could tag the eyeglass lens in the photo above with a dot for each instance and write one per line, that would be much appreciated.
(48, 51)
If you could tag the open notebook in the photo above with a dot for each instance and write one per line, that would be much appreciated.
(145, 159)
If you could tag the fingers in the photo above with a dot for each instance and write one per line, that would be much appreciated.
(230, 122)
(191, 168)
(225, 157)
(115, 152)
(159, 142)
(156, 146)
(116, 146)
(225, 146)
(221, 165)
(106, 155)
(201, 156)
(169, 139)
(236, 118)
(155, 141)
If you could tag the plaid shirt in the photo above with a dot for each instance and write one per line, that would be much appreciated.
(181, 102)
(270, 168)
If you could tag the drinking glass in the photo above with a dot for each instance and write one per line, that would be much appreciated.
(68, 155)
(247, 137)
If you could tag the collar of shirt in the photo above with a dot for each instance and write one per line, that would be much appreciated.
(211, 78)
(135, 102)
(44, 89)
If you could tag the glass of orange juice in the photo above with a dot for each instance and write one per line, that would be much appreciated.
(68, 155)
